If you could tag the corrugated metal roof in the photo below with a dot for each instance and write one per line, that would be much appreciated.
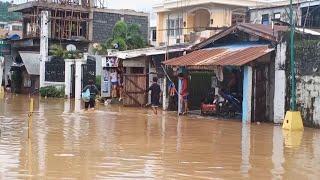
(267, 32)
(149, 51)
(31, 61)
(223, 56)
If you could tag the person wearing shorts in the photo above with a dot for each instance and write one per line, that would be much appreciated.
(114, 83)
(155, 95)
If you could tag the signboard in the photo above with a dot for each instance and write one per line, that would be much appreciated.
(105, 83)
(110, 62)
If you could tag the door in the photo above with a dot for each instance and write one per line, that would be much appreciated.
(260, 103)
(135, 86)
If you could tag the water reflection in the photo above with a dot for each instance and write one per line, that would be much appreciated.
(277, 153)
(292, 139)
(245, 149)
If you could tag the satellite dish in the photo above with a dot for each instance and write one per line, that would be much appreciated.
(71, 47)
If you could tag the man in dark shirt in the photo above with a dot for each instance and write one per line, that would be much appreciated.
(155, 95)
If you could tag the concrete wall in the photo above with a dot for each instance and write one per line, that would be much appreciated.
(308, 97)
(103, 23)
(256, 14)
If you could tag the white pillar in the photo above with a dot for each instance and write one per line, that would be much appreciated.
(1, 68)
(247, 94)
(43, 46)
(67, 77)
(164, 94)
(78, 83)
(280, 84)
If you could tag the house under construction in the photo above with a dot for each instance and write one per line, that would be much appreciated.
(77, 19)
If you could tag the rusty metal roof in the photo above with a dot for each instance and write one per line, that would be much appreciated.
(223, 56)
(266, 32)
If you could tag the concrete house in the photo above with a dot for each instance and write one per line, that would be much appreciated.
(195, 20)
(306, 14)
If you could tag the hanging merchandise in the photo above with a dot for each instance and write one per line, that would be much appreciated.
(105, 83)
(218, 70)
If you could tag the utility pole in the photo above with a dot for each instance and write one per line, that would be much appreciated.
(293, 119)
(293, 104)
(44, 32)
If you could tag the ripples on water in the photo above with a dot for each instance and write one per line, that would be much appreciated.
(131, 143)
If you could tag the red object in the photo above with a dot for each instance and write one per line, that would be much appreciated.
(184, 90)
(208, 108)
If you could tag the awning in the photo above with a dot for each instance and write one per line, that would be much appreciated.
(31, 61)
(236, 55)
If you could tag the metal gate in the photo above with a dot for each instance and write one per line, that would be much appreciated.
(260, 103)
(88, 72)
(135, 86)
(73, 80)
(55, 70)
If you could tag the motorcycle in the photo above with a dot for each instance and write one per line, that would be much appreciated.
(226, 105)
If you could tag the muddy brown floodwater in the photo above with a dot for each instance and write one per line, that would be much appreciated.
(131, 143)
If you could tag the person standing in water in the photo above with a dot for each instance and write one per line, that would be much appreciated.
(93, 93)
(155, 95)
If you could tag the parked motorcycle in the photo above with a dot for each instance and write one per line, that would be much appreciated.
(226, 105)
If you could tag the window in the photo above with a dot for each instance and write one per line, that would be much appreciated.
(170, 24)
(137, 70)
(265, 19)
(16, 28)
(277, 16)
(154, 35)
(175, 26)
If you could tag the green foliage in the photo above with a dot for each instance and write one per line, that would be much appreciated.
(8, 16)
(126, 36)
(52, 91)
(59, 52)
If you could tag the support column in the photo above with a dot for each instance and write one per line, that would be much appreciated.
(43, 46)
(164, 94)
(247, 95)
(78, 77)
(280, 84)
(67, 77)
(1, 69)
(180, 106)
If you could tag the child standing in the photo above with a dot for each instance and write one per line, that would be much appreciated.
(155, 94)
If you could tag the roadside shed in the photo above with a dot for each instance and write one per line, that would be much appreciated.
(256, 52)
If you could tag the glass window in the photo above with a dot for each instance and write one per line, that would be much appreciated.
(265, 19)
(16, 28)
(277, 16)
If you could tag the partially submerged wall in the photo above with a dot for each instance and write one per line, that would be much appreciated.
(308, 80)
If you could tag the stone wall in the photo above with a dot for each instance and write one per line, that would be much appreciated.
(103, 23)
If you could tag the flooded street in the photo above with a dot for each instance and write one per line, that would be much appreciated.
(123, 143)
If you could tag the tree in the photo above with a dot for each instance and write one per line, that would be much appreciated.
(125, 37)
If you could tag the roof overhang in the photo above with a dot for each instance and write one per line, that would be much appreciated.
(222, 56)
(31, 61)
